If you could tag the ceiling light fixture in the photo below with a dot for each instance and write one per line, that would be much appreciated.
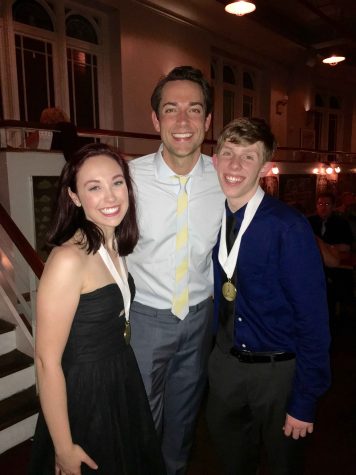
(333, 60)
(240, 8)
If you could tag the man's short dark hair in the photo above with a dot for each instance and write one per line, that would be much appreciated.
(183, 73)
(327, 194)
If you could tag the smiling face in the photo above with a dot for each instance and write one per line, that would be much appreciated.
(102, 192)
(239, 168)
(182, 124)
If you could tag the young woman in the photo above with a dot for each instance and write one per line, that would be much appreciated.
(95, 416)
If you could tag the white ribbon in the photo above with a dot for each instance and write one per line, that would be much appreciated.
(122, 282)
(228, 262)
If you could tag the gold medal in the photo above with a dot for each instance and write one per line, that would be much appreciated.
(127, 332)
(229, 291)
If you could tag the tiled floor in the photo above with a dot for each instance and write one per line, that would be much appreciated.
(332, 447)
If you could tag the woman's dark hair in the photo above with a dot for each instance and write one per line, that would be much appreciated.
(183, 73)
(69, 218)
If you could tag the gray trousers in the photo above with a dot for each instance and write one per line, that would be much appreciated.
(246, 410)
(172, 356)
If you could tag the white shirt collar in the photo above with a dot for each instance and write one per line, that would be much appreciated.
(164, 172)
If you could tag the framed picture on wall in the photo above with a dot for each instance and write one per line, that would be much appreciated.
(298, 191)
(44, 195)
(307, 138)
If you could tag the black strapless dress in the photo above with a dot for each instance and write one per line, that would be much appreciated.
(108, 410)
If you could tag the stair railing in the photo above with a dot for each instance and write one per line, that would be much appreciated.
(35, 264)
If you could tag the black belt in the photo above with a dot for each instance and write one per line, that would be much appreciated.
(249, 357)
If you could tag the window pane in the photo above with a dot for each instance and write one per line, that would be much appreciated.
(334, 102)
(247, 106)
(79, 27)
(35, 77)
(319, 101)
(248, 81)
(31, 13)
(332, 132)
(33, 45)
(212, 71)
(228, 75)
(318, 124)
(228, 107)
(83, 88)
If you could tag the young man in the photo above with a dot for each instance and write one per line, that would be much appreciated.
(180, 206)
(270, 361)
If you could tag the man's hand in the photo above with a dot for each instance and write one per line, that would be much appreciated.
(296, 428)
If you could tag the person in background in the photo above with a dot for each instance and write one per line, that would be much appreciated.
(270, 362)
(335, 237)
(95, 417)
(180, 205)
(64, 138)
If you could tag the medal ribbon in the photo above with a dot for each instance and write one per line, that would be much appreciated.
(228, 262)
(122, 282)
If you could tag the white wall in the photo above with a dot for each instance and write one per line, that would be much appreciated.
(21, 167)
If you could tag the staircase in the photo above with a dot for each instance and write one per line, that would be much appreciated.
(18, 399)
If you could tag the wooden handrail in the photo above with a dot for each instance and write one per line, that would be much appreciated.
(349, 157)
(25, 248)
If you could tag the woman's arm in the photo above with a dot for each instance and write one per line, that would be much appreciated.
(57, 300)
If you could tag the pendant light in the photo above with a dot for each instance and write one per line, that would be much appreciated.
(333, 60)
(240, 8)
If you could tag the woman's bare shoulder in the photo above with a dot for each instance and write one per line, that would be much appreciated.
(69, 258)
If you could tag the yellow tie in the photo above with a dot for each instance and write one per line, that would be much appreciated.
(180, 305)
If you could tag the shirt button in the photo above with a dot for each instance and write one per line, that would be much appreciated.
(243, 345)
(239, 319)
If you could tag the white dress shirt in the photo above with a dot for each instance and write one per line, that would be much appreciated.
(152, 263)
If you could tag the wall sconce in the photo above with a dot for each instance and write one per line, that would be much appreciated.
(281, 104)
(275, 170)
(329, 170)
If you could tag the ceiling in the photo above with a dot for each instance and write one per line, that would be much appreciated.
(322, 27)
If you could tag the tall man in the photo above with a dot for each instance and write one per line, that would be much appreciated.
(180, 206)
(270, 361)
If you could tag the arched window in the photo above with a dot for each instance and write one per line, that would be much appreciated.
(82, 65)
(80, 28)
(247, 81)
(32, 13)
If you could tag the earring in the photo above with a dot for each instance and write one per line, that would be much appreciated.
(78, 203)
